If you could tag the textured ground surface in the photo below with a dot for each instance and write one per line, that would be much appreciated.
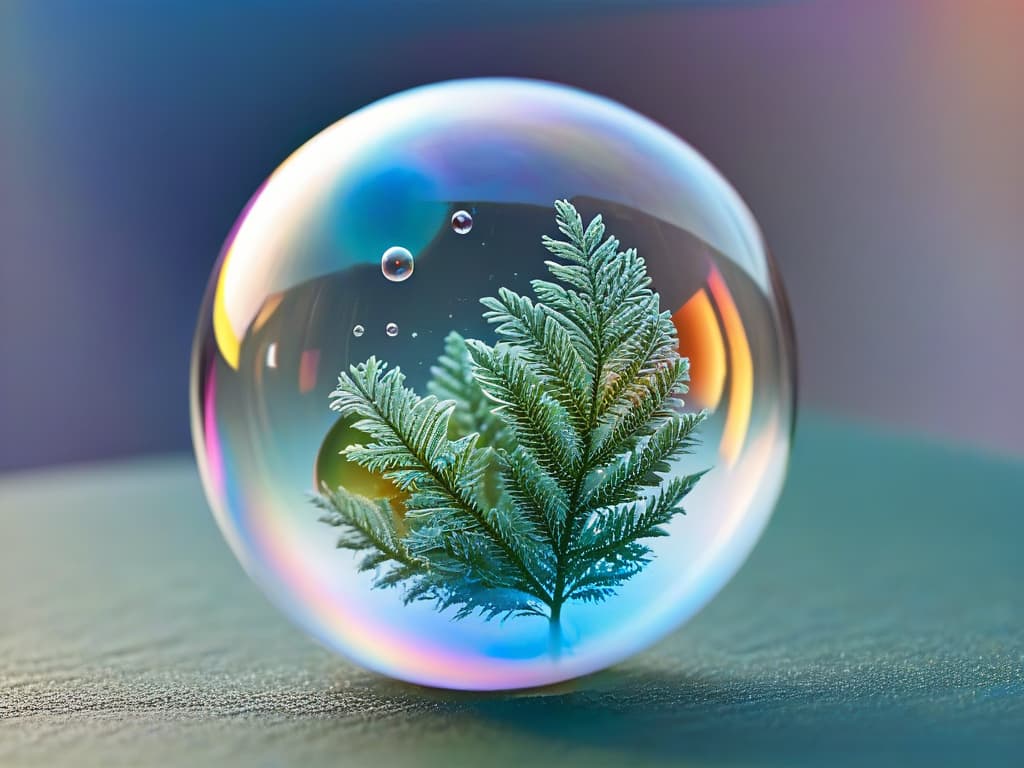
(880, 621)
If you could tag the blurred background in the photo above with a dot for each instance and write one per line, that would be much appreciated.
(880, 143)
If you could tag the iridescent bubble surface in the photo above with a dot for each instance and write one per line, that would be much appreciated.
(299, 276)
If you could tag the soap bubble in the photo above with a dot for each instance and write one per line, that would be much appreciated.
(391, 329)
(396, 264)
(298, 276)
(462, 222)
(358, 330)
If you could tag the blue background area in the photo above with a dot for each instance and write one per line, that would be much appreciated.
(878, 144)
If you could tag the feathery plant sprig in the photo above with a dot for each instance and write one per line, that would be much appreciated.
(535, 468)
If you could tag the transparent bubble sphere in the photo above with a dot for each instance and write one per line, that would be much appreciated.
(527, 532)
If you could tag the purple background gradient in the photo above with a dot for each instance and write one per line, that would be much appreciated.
(879, 144)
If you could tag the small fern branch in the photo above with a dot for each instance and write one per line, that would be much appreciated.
(367, 526)
(536, 492)
(452, 379)
(621, 481)
(540, 335)
(540, 422)
(640, 411)
(608, 531)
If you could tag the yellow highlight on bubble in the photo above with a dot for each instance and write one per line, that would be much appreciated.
(227, 340)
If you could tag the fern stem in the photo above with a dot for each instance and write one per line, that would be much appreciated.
(555, 630)
(561, 555)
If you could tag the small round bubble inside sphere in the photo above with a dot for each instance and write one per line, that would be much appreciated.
(466, 358)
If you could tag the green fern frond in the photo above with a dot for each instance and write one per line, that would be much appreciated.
(540, 335)
(621, 481)
(539, 421)
(367, 526)
(536, 492)
(452, 379)
(537, 467)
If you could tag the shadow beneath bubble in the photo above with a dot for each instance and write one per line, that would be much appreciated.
(934, 713)
(877, 716)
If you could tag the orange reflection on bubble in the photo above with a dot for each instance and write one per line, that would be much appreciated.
(700, 340)
(270, 306)
(709, 338)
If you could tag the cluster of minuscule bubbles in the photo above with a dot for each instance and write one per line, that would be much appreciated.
(378, 237)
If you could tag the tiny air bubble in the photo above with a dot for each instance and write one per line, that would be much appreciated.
(462, 222)
(396, 264)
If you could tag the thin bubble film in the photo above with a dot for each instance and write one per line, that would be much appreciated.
(300, 273)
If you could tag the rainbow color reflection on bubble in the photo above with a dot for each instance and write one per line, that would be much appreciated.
(302, 268)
